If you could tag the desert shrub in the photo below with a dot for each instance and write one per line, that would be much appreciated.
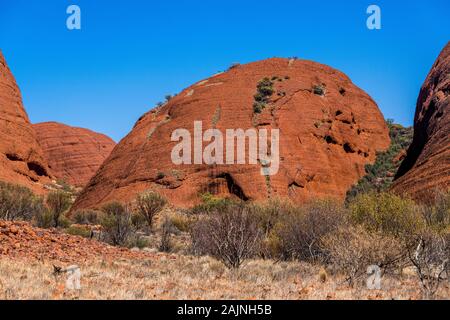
(18, 203)
(211, 203)
(319, 90)
(86, 217)
(302, 230)
(79, 231)
(386, 213)
(138, 222)
(270, 213)
(436, 211)
(352, 249)
(264, 90)
(148, 205)
(231, 235)
(182, 222)
(167, 228)
(58, 202)
(430, 255)
(116, 223)
(43, 219)
(64, 185)
(135, 240)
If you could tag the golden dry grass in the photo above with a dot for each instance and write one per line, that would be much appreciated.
(185, 277)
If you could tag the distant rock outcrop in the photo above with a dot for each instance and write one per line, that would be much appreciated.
(21, 158)
(329, 130)
(73, 154)
(426, 167)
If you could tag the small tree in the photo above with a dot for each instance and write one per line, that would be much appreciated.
(116, 223)
(18, 203)
(231, 235)
(148, 205)
(58, 202)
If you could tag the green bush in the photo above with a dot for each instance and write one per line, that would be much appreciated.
(264, 90)
(319, 90)
(58, 202)
(18, 203)
(43, 219)
(116, 223)
(148, 205)
(86, 217)
(211, 203)
(79, 231)
(386, 213)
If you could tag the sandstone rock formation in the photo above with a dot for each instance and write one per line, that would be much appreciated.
(329, 130)
(21, 157)
(426, 167)
(73, 154)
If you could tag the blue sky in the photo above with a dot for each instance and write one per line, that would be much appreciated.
(130, 54)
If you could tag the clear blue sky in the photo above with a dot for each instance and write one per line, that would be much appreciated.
(130, 54)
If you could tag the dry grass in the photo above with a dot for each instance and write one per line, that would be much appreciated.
(169, 276)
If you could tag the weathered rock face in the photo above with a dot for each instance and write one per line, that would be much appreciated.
(426, 167)
(73, 154)
(21, 157)
(329, 129)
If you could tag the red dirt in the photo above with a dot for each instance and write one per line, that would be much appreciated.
(21, 240)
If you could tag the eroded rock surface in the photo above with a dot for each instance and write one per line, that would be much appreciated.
(329, 130)
(73, 154)
(21, 157)
(426, 168)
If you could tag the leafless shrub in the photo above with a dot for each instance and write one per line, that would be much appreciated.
(353, 249)
(231, 235)
(148, 205)
(302, 230)
(430, 256)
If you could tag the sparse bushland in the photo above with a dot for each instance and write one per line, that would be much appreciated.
(376, 228)
(380, 175)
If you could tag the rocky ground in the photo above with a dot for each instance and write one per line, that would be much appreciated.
(28, 256)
